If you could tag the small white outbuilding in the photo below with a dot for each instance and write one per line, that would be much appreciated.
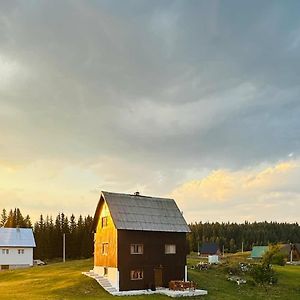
(16, 248)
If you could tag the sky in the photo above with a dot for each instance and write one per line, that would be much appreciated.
(195, 100)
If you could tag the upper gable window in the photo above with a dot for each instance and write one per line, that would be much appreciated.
(170, 249)
(136, 249)
(104, 222)
(20, 251)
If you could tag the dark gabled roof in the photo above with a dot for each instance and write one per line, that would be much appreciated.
(143, 213)
(209, 248)
(285, 249)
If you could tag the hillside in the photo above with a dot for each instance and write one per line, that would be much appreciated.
(65, 281)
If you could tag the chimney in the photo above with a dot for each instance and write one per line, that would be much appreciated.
(136, 193)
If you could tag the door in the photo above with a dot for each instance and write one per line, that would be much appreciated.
(158, 277)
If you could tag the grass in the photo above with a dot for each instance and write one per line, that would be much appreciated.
(65, 281)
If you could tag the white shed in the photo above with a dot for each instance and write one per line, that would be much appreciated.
(16, 248)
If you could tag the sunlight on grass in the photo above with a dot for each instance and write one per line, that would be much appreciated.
(65, 281)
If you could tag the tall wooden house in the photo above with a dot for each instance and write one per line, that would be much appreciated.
(140, 241)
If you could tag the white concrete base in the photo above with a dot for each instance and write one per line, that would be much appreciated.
(163, 291)
(112, 275)
(103, 281)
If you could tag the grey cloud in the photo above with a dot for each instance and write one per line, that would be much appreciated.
(172, 85)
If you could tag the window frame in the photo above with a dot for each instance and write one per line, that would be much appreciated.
(104, 221)
(139, 272)
(169, 247)
(21, 251)
(5, 251)
(132, 249)
(104, 248)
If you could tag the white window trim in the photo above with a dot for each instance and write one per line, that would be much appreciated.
(170, 249)
(102, 248)
(141, 272)
(132, 246)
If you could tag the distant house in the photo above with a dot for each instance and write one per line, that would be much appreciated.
(259, 251)
(16, 248)
(210, 249)
(286, 249)
(140, 241)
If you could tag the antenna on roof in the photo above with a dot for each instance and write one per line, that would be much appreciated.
(137, 193)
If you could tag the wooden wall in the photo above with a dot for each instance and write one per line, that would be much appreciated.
(108, 235)
(173, 265)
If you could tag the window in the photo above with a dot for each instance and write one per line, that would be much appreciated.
(104, 248)
(5, 251)
(104, 222)
(136, 249)
(105, 271)
(170, 249)
(20, 251)
(136, 275)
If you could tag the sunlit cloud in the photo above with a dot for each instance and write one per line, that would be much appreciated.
(266, 190)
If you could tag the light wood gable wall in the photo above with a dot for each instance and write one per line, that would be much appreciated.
(106, 234)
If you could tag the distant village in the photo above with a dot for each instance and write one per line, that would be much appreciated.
(140, 243)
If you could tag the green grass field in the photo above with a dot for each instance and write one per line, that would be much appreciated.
(65, 281)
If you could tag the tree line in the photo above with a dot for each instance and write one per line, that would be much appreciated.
(48, 233)
(233, 236)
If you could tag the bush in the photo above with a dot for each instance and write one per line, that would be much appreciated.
(278, 259)
(263, 274)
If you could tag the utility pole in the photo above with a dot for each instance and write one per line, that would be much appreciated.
(242, 247)
(64, 247)
(198, 249)
(291, 253)
(223, 251)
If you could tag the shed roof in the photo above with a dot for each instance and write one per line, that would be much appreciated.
(16, 237)
(143, 213)
(209, 248)
(259, 251)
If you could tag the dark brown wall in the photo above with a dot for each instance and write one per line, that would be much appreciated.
(173, 265)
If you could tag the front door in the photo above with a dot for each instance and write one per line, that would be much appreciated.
(158, 277)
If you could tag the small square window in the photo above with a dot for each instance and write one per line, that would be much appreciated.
(20, 251)
(170, 249)
(104, 222)
(104, 249)
(136, 275)
(5, 251)
(136, 249)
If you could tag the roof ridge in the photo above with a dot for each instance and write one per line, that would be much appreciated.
(137, 196)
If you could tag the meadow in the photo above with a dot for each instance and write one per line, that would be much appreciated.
(65, 281)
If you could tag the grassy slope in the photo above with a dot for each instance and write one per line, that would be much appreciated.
(64, 281)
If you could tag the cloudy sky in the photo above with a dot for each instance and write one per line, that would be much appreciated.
(197, 100)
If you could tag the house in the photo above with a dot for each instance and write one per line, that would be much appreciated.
(16, 248)
(209, 249)
(285, 249)
(259, 251)
(139, 242)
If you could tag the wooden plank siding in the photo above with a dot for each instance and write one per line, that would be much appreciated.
(153, 257)
(107, 234)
